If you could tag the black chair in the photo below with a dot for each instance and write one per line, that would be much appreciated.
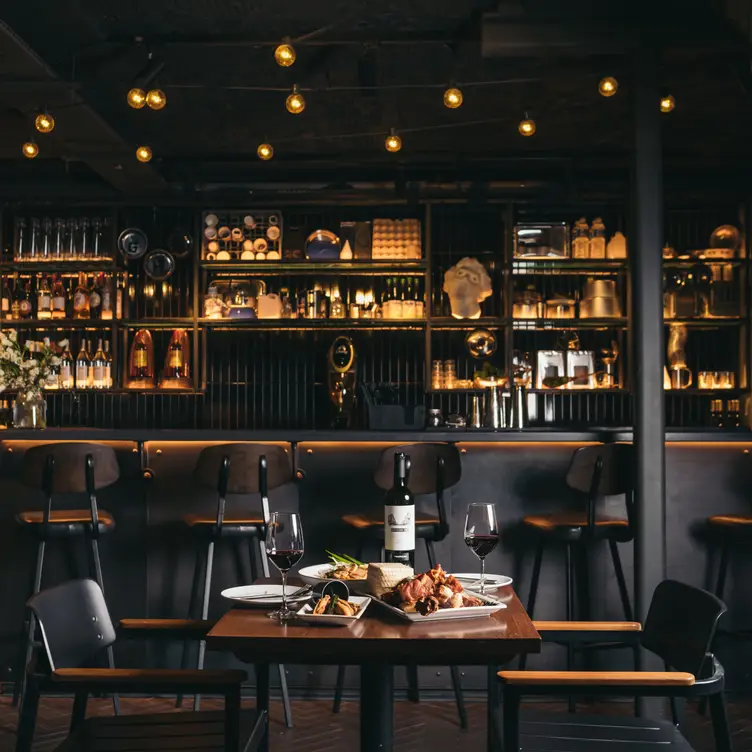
(234, 469)
(65, 468)
(76, 627)
(679, 629)
(432, 468)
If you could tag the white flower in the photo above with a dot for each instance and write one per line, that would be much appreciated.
(63, 343)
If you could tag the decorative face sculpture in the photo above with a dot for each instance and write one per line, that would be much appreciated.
(467, 284)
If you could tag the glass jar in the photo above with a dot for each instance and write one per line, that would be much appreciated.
(437, 375)
(527, 304)
(30, 412)
(597, 239)
(450, 374)
(337, 309)
(581, 240)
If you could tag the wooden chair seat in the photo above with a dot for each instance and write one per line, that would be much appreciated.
(66, 521)
(571, 526)
(202, 731)
(736, 521)
(247, 526)
(373, 526)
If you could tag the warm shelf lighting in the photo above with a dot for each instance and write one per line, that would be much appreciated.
(667, 103)
(285, 55)
(527, 127)
(144, 154)
(295, 102)
(156, 99)
(608, 86)
(136, 98)
(30, 149)
(393, 143)
(44, 122)
(265, 152)
(452, 98)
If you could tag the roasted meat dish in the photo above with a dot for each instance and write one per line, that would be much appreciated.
(430, 591)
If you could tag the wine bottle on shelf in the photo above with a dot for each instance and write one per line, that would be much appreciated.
(98, 366)
(6, 299)
(106, 292)
(24, 304)
(95, 298)
(107, 365)
(83, 364)
(58, 298)
(119, 297)
(81, 299)
(15, 303)
(66, 368)
(399, 516)
(44, 299)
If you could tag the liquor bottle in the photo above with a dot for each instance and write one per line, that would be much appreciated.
(6, 300)
(24, 304)
(15, 304)
(66, 368)
(44, 299)
(95, 298)
(105, 287)
(399, 516)
(58, 298)
(107, 365)
(98, 367)
(119, 297)
(175, 361)
(141, 360)
(81, 304)
(83, 364)
(53, 377)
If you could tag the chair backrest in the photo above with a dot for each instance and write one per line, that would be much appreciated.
(616, 474)
(74, 621)
(244, 466)
(69, 473)
(680, 625)
(422, 476)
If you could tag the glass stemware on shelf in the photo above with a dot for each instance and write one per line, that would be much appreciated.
(284, 547)
(481, 534)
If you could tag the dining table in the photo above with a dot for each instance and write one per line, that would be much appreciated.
(377, 642)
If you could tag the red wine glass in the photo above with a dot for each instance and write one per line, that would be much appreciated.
(481, 534)
(284, 547)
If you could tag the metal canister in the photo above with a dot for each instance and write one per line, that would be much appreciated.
(435, 418)
(476, 411)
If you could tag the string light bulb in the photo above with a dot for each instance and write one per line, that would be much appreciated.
(156, 99)
(144, 154)
(265, 151)
(136, 98)
(30, 149)
(667, 103)
(393, 143)
(452, 97)
(527, 126)
(608, 86)
(44, 122)
(295, 102)
(285, 55)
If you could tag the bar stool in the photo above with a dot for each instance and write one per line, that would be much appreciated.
(432, 468)
(731, 528)
(234, 469)
(73, 467)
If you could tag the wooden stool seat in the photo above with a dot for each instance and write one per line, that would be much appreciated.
(64, 522)
(425, 527)
(572, 525)
(233, 526)
(731, 521)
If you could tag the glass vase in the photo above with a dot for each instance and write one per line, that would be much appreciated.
(30, 413)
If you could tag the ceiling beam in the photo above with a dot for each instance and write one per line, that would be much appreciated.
(78, 126)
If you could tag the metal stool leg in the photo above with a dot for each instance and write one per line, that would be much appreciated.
(533, 590)
(431, 553)
(720, 584)
(204, 613)
(285, 695)
(252, 559)
(27, 717)
(459, 696)
(339, 688)
(570, 617)
(721, 730)
(626, 605)
(413, 692)
(197, 568)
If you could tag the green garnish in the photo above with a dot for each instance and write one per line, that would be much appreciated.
(343, 559)
(332, 603)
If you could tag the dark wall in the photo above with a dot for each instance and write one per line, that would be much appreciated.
(148, 561)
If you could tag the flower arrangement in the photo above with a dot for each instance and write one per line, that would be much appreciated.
(25, 368)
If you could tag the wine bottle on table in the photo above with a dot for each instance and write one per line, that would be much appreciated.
(399, 516)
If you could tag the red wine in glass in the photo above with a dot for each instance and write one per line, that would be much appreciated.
(481, 534)
(284, 548)
(285, 560)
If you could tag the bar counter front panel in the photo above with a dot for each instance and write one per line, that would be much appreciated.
(148, 560)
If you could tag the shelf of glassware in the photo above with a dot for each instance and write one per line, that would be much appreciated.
(292, 268)
(447, 322)
(535, 325)
(58, 324)
(313, 324)
(60, 267)
(568, 266)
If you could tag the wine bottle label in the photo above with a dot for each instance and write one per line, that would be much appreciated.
(43, 302)
(98, 374)
(175, 359)
(58, 303)
(82, 375)
(139, 358)
(66, 380)
(399, 528)
(24, 307)
(95, 300)
(79, 301)
(6, 304)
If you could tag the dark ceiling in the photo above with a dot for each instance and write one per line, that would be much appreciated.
(366, 67)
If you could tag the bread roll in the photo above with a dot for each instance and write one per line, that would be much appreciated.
(383, 576)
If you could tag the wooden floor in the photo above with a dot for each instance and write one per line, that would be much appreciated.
(427, 725)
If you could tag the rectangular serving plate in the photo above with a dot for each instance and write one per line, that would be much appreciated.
(447, 614)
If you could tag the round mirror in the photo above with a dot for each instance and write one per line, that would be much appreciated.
(481, 343)
(159, 265)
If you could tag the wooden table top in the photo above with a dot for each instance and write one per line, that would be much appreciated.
(379, 636)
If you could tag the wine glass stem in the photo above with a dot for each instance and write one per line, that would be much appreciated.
(284, 592)
(482, 575)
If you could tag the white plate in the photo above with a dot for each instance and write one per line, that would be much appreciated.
(274, 593)
(333, 620)
(448, 614)
(317, 573)
(492, 581)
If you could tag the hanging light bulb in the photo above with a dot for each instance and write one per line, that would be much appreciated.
(393, 143)
(136, 98)
(452, 97)
(295, 103)
(156, 99)
(144, 154)
(608, 86)
(285, 53)
(527, 126)
(265, 151)
(44, 122)
(30, 149)
(667, 103)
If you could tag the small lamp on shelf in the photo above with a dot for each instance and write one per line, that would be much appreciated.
(141, 361)
(177, 369)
